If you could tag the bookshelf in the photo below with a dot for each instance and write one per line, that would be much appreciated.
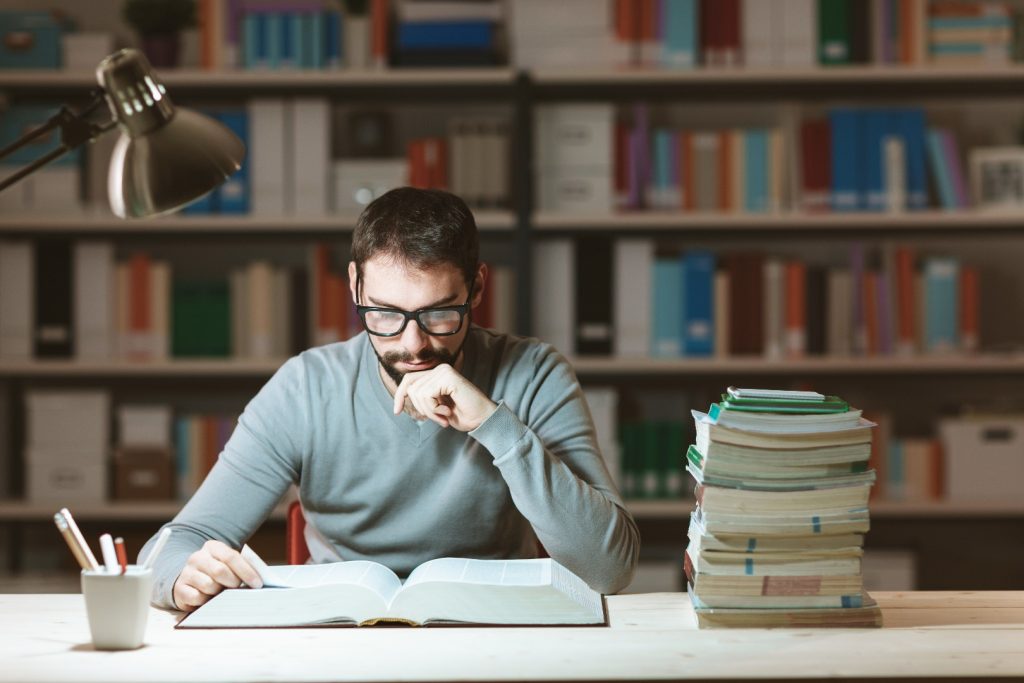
(524, 224)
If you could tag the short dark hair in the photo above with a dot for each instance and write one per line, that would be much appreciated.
(421, 228)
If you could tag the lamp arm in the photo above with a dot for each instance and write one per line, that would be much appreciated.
(75, 131)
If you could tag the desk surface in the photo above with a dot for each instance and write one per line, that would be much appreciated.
(652, 637)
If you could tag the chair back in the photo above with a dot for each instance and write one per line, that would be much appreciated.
(294, 535)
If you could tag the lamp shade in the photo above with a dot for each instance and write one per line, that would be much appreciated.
(166, 156)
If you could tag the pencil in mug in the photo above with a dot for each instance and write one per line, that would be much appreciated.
(76, 542)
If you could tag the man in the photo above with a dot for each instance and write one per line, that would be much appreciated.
(421, 437)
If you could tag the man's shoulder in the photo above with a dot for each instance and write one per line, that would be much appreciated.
(337, 359)
(513, 352)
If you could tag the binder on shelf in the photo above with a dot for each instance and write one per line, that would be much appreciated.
(54, 324)
(594, 324)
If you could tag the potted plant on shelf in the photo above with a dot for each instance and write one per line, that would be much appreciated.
(159, 24)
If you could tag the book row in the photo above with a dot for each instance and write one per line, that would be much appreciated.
(290, 169)
(63, 299)
(595, 158)
(702, 303)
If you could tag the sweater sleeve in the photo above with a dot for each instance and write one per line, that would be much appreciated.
(547, 453)
(258, 464)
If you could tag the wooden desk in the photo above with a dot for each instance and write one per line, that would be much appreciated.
(652, 637)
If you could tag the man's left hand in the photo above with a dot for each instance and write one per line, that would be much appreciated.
(444, 396)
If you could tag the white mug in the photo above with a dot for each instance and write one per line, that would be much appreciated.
(117, 606)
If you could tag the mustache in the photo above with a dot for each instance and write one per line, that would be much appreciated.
(427, 354)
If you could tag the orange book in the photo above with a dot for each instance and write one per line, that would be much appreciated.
(871, 311)
(688, 171)
(627, 20)
(210, 449)
(418, 173)
(796, 308)
(906, 311)
(969, 303)
(437, 163)
(204, 17)
(908, 32)
(379, 26)
(725, 162)
(140, 315)
(648, 24)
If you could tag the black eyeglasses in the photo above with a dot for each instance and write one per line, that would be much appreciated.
(443, 321)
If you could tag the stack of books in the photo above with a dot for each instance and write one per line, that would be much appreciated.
(782, 490)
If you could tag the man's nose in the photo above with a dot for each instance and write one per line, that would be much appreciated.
(413, 338)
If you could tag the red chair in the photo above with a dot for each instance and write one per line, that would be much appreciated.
(295, 540)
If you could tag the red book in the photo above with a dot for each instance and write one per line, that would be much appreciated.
(210, 450)
(379, 26)
(906, 311)
(709, 26)
(621, 165)
(627, 20)
(969, 303)
(729, 33)
(816, 165)
(796, 309)
(483, 315)
(418, 174)
(746, 303)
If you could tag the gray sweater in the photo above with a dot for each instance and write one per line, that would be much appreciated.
(375, 486)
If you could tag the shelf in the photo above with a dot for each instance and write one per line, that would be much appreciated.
(487, 221)
(254, 80)
(585, 366)
(851, 75)
(952, 364)
(164, 511)
(883, 223)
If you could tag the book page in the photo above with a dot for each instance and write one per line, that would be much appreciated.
(278, 607)
(497, 572)
(371, 575)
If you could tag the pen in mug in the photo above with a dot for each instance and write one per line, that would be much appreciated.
(69, 538)
(79, 539)
(122, 555)
(109, 556)
(160, 543)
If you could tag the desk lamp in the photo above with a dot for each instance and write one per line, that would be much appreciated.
(166, 156)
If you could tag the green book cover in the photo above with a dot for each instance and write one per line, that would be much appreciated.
(200, 319)
(833, 32)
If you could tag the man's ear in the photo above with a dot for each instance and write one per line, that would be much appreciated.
(352, 281)
(479, 283)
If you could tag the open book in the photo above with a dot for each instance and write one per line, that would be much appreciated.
(447, 590)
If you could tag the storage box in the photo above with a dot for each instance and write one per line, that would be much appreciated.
(144, 425)
(65, 476)
(576, 192)
(29, 40)
(83, 51)
(984, 458)
(68, 420)
(143, 474)
(575, 135)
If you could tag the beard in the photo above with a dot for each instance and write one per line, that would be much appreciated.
(391, 358)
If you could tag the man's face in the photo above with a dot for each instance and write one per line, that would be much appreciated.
(390, 284)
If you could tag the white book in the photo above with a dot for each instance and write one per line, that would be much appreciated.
(259, 279)
(309, 143)
(270, 173)
(160, 307)
(94, 303)
(604, 409)
(145, 425)
(122, 305)
(496, 156)
(356, 41)
(758, 32)
(632, 313)
(503, 280)
(554, 293)
(799, 22)
(445, 590)
(17, 299)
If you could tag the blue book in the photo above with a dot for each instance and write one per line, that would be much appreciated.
(317, 57)
(427, 35)
(662, 163)
(332, 39)
(679, 23)
(667, 295)
(940, 171)
(941, 285)
(275, 35)
(234, 193)
(698, 303)
(847, 162)
(250, 41)
(877, 125)
(288, 24)
(912, 125)
(755, 170)
(993, 21)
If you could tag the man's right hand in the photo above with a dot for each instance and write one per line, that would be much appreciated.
(210, 570)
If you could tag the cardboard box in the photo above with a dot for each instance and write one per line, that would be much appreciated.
(143, 474)
(984, 458)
